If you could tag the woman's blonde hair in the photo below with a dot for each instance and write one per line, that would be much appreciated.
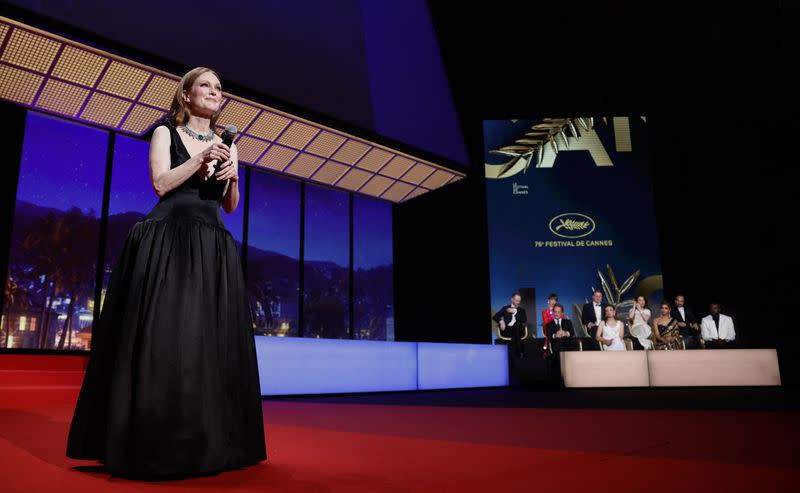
(179, 111)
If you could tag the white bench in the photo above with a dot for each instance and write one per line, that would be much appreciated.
(604, 369)
(693, 368)
(717, 367)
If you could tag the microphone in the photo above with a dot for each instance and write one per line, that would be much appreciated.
(212, 189)
(227, 138)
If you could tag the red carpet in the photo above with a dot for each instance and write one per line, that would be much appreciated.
(321, 447)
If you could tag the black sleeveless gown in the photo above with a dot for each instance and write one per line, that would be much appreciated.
(172, 386)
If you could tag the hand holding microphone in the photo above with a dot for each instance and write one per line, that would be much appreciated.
(216, 152)
(217, 156)
(224, 169)
(212, 155)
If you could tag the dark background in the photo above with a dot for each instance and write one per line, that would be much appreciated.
(721, 106)
(720, 103)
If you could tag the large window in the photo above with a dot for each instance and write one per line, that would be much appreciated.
(131, 198)
(273, 254)
(326, 280)
(52, 263)
(373, 282)
(55, 235)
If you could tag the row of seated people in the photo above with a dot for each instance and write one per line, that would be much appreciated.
(674, 328)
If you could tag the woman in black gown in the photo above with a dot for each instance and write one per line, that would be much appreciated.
(172, 386)
(665, 329)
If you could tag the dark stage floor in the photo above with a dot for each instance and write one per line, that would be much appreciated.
(730, 399)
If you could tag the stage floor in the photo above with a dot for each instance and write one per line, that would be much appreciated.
(468, 440)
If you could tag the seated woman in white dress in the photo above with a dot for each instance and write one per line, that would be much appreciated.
(610, 330)
(640, 328)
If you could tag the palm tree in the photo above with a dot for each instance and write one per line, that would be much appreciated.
(57, 292)
(41, 246)
(255, 294)
(81, 280)
(61, 250)
(15, 297)
(79, 263)
(10, 298)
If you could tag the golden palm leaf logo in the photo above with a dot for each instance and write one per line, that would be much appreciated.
(613, 292)
(572, 225)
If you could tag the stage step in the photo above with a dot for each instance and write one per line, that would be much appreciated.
(40, 378)
(41, 370)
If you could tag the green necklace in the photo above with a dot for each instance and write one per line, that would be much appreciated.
(195, 135)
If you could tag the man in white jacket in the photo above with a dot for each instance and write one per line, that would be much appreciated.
(717, 329)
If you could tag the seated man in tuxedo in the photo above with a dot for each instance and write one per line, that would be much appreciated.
(559, 331)
(591, 316)
(717, 329)
(560, 336)
(511, 320)
(687, 323)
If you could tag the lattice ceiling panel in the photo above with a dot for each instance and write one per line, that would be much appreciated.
(53, 74)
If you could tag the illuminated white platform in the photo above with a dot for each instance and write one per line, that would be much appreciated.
(711, 368)
(291, 366)
(697, 368)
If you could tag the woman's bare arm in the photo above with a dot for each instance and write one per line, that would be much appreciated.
(230, 195)
(656, 332)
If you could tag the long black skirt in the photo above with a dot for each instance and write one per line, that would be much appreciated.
(172, 385)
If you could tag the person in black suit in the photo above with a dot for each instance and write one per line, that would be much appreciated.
(689, 327)
(560, 332)
(592, 315)
(560, 336)
(511, 320)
